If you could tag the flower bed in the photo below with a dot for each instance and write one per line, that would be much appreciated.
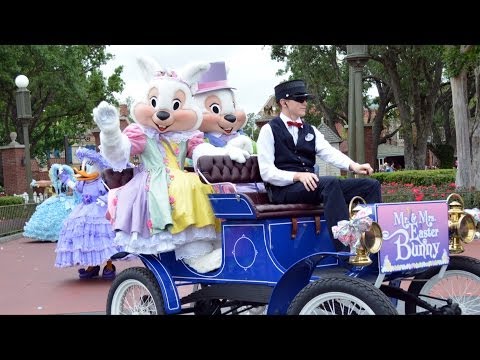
(399, 192)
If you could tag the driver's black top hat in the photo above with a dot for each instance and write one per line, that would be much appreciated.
(290, 89)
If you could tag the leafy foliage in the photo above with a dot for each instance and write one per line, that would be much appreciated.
(417, 177)
(11, 200)
(399, 192)
(456, 60)
(66, 83)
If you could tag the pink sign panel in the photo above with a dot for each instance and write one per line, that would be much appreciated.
(415, 235)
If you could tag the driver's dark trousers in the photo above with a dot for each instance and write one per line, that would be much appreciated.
(334, 193)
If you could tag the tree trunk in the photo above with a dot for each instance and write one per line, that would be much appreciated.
(476, 135)
(460, 112)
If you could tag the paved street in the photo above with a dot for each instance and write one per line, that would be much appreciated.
(31, 285)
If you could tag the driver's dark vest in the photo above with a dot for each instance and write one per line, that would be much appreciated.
(291, 157)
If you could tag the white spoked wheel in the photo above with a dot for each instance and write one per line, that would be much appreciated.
(461, 287)
(135, 291)
(460, 283)
(340, 295)
(336, 303)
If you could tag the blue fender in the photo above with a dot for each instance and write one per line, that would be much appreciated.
(167, 285)
(294, 280)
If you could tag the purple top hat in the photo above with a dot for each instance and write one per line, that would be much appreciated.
(215, 78)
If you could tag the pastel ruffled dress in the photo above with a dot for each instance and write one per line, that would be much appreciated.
(163, 207)
(47, 220)
(86, 237)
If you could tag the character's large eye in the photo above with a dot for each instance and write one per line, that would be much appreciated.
(88, 166)
(154, 101)
(215, 108)
(176, 103)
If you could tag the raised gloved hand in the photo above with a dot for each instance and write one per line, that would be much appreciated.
(107, 118)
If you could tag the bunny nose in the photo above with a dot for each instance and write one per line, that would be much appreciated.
(163, 115)
(230, 118)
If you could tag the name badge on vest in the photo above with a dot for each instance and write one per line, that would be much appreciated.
(309, 137)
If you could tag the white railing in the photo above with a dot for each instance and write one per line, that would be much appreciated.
(37, 198)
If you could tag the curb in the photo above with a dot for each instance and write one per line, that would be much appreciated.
(11, 237)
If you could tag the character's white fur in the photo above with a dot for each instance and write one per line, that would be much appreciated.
(193, 72)
(206, 263)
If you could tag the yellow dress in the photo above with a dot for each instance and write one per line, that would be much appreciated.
(188, 195)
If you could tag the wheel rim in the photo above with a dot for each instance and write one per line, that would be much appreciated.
(460, 286)
(259, 310)
(336, 303)
(133, 298)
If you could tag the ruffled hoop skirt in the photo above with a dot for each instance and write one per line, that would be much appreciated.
(86, 238)
(46, 222)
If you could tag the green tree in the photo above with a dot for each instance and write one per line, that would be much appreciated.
(443, 142)
(384, 121)
(250, 129)
(414, 73)
(66, 83)
(462, 62)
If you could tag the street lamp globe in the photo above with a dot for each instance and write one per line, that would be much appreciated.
(24, 114)
(21, 81)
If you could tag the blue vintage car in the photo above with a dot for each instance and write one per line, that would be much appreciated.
(278, 259)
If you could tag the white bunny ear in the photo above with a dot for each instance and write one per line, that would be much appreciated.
(192, 73)
(149, 67)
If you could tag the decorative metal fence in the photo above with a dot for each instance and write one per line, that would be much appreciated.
(14, 217)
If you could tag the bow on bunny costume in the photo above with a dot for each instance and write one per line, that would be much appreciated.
(163, 208)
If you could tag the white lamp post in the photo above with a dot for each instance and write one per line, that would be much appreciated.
(24, 113)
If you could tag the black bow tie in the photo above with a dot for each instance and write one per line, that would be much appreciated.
(294, 123)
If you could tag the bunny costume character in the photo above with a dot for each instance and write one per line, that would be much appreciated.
(222, 118)
(162, 208)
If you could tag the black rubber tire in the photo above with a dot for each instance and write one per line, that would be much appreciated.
(462, 263)
(206, 307)
(147, 280)
(360, 289)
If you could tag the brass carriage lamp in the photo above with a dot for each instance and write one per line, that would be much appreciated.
(370, 240)
(461, 226)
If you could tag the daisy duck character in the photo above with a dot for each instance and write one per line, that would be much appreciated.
(162, 208)
(86, 237)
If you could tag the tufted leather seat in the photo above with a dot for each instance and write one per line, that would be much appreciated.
(220, 168)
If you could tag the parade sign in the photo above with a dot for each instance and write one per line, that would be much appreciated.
(415, 235)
